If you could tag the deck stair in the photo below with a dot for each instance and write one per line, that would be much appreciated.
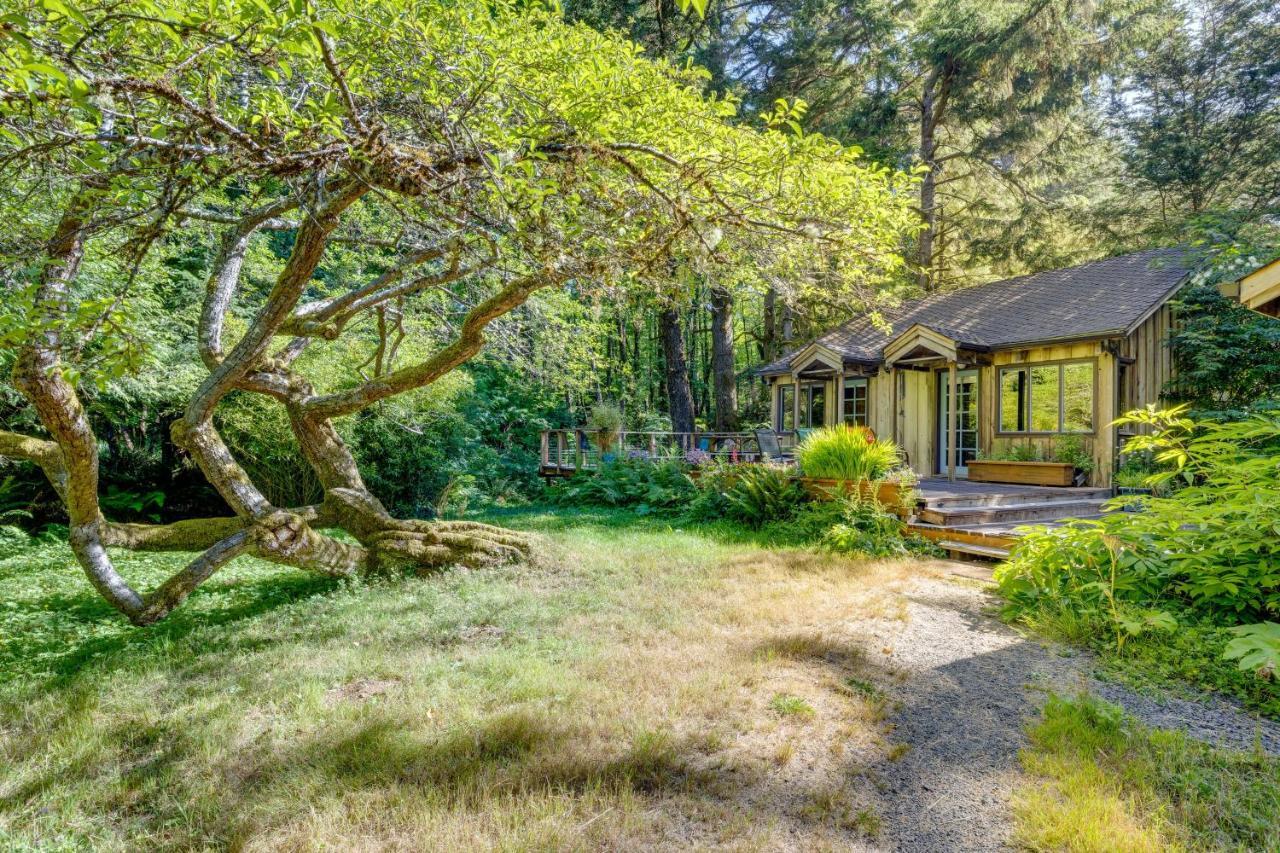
(981, 520)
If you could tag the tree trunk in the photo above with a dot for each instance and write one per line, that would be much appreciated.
(928, 183)
(724, 375)
(679, 394)
(769, 332)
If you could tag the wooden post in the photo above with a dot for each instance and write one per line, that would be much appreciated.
(951, 422)
(546, 449)
(559, 449)
(839, 398)
(894, 428)
(653, 445)
(578, 457)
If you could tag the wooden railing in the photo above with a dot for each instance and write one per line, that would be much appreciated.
(565, 451)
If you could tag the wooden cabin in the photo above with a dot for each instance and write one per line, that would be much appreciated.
(1028, 360)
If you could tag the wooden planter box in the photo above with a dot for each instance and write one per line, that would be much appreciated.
(887, 492)
(1023, 473)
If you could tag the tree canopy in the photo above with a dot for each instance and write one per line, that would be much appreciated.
(376, 184)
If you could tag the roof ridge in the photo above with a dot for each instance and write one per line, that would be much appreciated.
(1098, 297)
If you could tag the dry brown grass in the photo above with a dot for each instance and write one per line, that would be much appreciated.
(616, 698)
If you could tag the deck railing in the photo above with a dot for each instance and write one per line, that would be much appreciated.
(565, 451)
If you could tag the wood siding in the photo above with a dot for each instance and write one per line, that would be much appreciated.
(1100, 443)
(1152, 367)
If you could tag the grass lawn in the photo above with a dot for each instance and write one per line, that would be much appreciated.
(1105, 782)
(642, 685)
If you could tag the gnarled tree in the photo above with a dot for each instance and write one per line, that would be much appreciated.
(416, 159)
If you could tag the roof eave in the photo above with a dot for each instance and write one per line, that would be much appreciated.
(1063, 339)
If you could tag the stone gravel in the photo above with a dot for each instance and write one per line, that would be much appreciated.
(967, 685)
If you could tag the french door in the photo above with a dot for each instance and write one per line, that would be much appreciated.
(966, 418)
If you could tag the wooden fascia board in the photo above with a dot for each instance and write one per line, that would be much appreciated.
(918, 334)
(1261, 286)
(816, 352)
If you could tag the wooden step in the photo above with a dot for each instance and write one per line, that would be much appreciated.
(986, 552)
(1029, 512)
(939, 534)
(1020, 498)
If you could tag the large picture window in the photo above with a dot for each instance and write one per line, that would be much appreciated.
(786, 419)
(1047, 398)
(855, 402)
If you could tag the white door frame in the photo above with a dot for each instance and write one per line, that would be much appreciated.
(969, 375)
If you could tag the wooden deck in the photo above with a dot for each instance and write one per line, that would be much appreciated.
(974, 519)
(982, 519)
(568, 451)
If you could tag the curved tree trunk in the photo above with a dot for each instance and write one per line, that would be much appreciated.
(286, 536)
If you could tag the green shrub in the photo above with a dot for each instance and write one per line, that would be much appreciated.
(846, 453)
(760, 494)
(865, 527)
(1206, 554)
(1071, 449)
(13, 540)
(1257, 648)
(807, 525)
(709, 502)
(644, 486)
(1211, 549)
(1015, 453)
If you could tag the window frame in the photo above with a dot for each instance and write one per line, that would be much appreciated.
(785, 390)
(852, 382)
(1061, 365)
(804, 394)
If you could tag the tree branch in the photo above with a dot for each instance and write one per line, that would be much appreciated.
(469, 341)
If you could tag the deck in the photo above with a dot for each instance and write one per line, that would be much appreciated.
(568, 451)
(982, 519)
(966, 518)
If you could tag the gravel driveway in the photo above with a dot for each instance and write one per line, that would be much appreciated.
(971, 684)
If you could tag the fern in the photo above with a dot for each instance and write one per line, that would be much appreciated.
(763, 493)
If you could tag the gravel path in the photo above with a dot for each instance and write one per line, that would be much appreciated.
(971, 683)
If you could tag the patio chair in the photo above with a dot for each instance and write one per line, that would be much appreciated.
(802, 433)
(770, 449)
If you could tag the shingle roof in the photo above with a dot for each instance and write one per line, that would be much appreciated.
(1100, 299)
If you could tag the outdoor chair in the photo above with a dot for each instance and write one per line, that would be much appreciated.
(770, 449)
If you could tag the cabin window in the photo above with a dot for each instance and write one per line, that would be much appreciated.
(786, 419)
(855, 402)
(1047, 398)
(813, 405)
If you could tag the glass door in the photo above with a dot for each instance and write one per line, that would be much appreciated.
(966, 418)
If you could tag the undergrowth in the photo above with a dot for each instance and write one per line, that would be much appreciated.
(1103, 781)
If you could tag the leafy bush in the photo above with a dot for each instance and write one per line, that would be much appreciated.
(646, 487)
(1257, 648)
(1015, 453)
(865, 527)
(1071, 449)
(846, 453)
(12, 540)
(1211, 549)
(759, 494)
(709, 502)
(1208, 553)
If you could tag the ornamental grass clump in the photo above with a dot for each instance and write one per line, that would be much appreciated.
(846, 453)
